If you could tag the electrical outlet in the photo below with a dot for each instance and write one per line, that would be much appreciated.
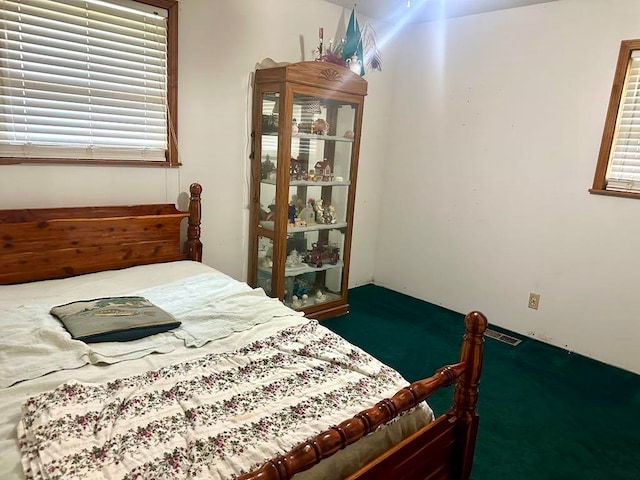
(534, 300)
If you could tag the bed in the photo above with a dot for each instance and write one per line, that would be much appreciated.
(244, 388)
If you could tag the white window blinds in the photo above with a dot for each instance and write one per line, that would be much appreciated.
(623, 173)
(83, 79)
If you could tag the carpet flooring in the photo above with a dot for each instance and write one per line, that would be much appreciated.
(545, 414)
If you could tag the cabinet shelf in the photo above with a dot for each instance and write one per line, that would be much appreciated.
(314, 136)
(310, 183)
(312, 301)
(304, 268)
(269, 225)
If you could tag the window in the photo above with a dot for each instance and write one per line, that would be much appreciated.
(88, 81)
(618, 169)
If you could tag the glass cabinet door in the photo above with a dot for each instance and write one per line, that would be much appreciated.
(268, 159)
(319, 180)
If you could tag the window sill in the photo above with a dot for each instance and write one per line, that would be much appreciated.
(612, 193)
(112, 163)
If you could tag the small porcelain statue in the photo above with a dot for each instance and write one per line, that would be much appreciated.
(354, 64)
(294, 259)
(330, 215)
(295, 302)
(308, 215)
(319, 211)
(320, 296)
(320, 127)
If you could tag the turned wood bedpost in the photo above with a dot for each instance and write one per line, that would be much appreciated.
(194, 245)
(466, 393)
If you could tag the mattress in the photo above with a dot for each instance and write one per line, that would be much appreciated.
(222, 321)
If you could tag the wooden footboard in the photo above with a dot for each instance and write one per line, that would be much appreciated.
(42, 244)
(441, 450)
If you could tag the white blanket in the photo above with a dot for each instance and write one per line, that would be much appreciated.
(214, 417)
(210, 306)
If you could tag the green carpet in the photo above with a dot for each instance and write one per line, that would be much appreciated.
(544, 413)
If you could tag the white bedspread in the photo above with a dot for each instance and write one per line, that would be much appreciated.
(215, 417)
(27, 349)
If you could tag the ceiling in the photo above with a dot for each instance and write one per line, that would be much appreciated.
(428, 10)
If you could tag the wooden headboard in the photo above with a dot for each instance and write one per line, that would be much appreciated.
(47, 243)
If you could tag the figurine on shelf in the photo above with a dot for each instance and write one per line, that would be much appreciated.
(313, 257)
(295, 169)
(301, 291)
(308, 214)
(322, 171)
(330, 215)
(295, 302)
(266, 168)
(298, 203)
(320, 127)
(294, 127)
(320, 296)
(326, 172)
(321, 254)
(291, 214)
(294, 260)
(319, 209)
(349, 134)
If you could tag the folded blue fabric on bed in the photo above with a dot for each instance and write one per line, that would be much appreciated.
(113, 319)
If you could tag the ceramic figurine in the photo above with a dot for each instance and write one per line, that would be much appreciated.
(308, 215)
(267, 168)
(320, 127)
(295, 169)
(323, 171)
(326, 173)
(319, 209)
(330, 215)
(291, 214)
(295, 302)
(294, 259)
(355, 65)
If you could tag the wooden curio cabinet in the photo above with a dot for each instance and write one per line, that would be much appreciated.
(307, 119)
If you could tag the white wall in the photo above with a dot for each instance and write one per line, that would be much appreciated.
(219, 44)
(440, 215)
(498, 125)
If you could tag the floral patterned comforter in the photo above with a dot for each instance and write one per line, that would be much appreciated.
(214, 417)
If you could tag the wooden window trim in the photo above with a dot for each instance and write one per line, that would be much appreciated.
(171, 156)
(599, 181)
